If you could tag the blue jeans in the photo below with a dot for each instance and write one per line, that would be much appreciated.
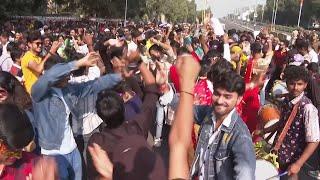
(69, 165)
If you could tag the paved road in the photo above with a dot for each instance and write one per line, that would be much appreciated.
(239, 26)
(246, 26)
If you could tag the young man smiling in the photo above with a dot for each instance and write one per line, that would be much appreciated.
(31, 63)
(224, 149)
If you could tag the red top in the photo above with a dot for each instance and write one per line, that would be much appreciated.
(280, 58)
(247, 76)
(16, 71)
(173, 75)
(202, 93)
(20, 169)
(249, 107)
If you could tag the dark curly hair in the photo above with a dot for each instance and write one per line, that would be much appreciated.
(232, 82)
(15, 127)
(220, 67)
(296, 73)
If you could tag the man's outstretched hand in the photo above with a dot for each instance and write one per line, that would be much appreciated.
(101, 161)
(89, 60)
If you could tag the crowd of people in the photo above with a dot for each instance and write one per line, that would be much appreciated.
(80, 100)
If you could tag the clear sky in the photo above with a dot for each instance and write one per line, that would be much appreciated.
(221, 8)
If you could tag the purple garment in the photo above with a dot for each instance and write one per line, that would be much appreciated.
(132, 107)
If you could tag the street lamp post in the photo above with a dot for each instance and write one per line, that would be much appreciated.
(255, 15)
(299, 19)
(273, 10)
(125, 14)
(275, 13)
(262, 16)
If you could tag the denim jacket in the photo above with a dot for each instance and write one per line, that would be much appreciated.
(49, 110)
(231, 154)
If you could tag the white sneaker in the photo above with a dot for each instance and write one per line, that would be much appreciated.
(157, 142)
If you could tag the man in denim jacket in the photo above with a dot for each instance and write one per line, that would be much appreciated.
(225, 149)
(54, 101)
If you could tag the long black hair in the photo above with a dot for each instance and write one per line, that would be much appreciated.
(17, 93)
(15, 127)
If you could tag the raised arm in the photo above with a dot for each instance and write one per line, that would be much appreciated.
(180, 135)
(203, 42)
(145, 117)
(56, 73)
(226, 48)
(159, 43)
(38, 68)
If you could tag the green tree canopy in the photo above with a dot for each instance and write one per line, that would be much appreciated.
(288, 12)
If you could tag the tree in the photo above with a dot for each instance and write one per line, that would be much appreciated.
(21, 7)
(288, 11)
(174, 10)
(192, 11)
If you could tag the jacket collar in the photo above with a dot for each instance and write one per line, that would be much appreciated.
(229, 122)
(297, 99)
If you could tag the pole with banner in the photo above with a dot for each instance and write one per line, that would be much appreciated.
(299, 19)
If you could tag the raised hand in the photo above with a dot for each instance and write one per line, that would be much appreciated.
(55, 46)
(134, 56)
(88, 39)
(190, 48)
(101, 161)
(89, 60)
(45, 168)
(114, 42)
(188, 69)
(226, 38)
(153, 40)
(118, 65)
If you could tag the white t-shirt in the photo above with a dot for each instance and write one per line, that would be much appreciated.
(132, 47)
(68, 143)
(91, 120)
(83, 49)
(6, 62)
(314, 56)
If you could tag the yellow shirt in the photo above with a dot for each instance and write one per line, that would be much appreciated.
(30, 77)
